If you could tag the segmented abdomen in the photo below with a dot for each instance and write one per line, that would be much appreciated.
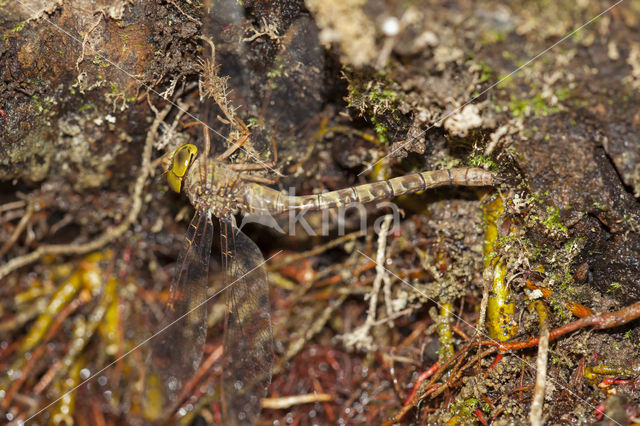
(262, 200)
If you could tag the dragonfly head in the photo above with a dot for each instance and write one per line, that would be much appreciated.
(181, 160)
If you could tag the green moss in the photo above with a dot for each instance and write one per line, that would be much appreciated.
(462, 411)
(552, 221)
(371, 93)
(504, 81)
(558, 307)
(252, 122)
(599, 206)
(274, 73)
(578, 35)
(508, 55)
(562, 93)
(614, 286)
(538, 197)
(42, 105)
(380, 129)
(18, 27)
(87, 106)
(482, 161)
(485, 72)
(580, 102)
(382, 96)
(535, 105)
(514, 152)
(493, 36)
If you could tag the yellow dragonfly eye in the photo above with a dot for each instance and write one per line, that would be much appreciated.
(181, 160)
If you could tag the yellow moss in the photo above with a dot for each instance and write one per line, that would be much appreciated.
(109, 327)
(153, 398)
(64, 409)
(541, 309)
(501, 308)
(444, 332)
(59, 300)
(88, 276)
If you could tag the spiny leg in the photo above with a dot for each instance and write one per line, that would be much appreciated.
(258, 179)
(207, 138)
(207, 142)
(236, 145)
(258, 166)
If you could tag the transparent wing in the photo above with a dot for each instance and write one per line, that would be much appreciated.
(177, 351)
(248, 340)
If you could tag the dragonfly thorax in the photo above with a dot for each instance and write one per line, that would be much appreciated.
(214, 187)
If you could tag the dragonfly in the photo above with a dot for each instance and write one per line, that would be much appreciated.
(220, 190)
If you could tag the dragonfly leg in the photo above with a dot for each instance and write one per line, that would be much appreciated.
(244, 167)
(258, 166)
(236, 145)
(274, 149)
(259, 179)
(207, 142)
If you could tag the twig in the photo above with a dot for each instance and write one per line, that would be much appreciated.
(189, 17)
(535, 415)
(381, 273)
(16, 232)
(395, 315)
(22, 377)
(188, 388)
(601, 321)
(111, 233)
(285, 402)
(421, 378)
(12, 205)
(361, 337)
(425, 388)
(266, 29)
(296, 346)
(85, 39)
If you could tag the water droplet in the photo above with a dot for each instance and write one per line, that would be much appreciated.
(85, 373)
(172, 384)
(391, 26)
